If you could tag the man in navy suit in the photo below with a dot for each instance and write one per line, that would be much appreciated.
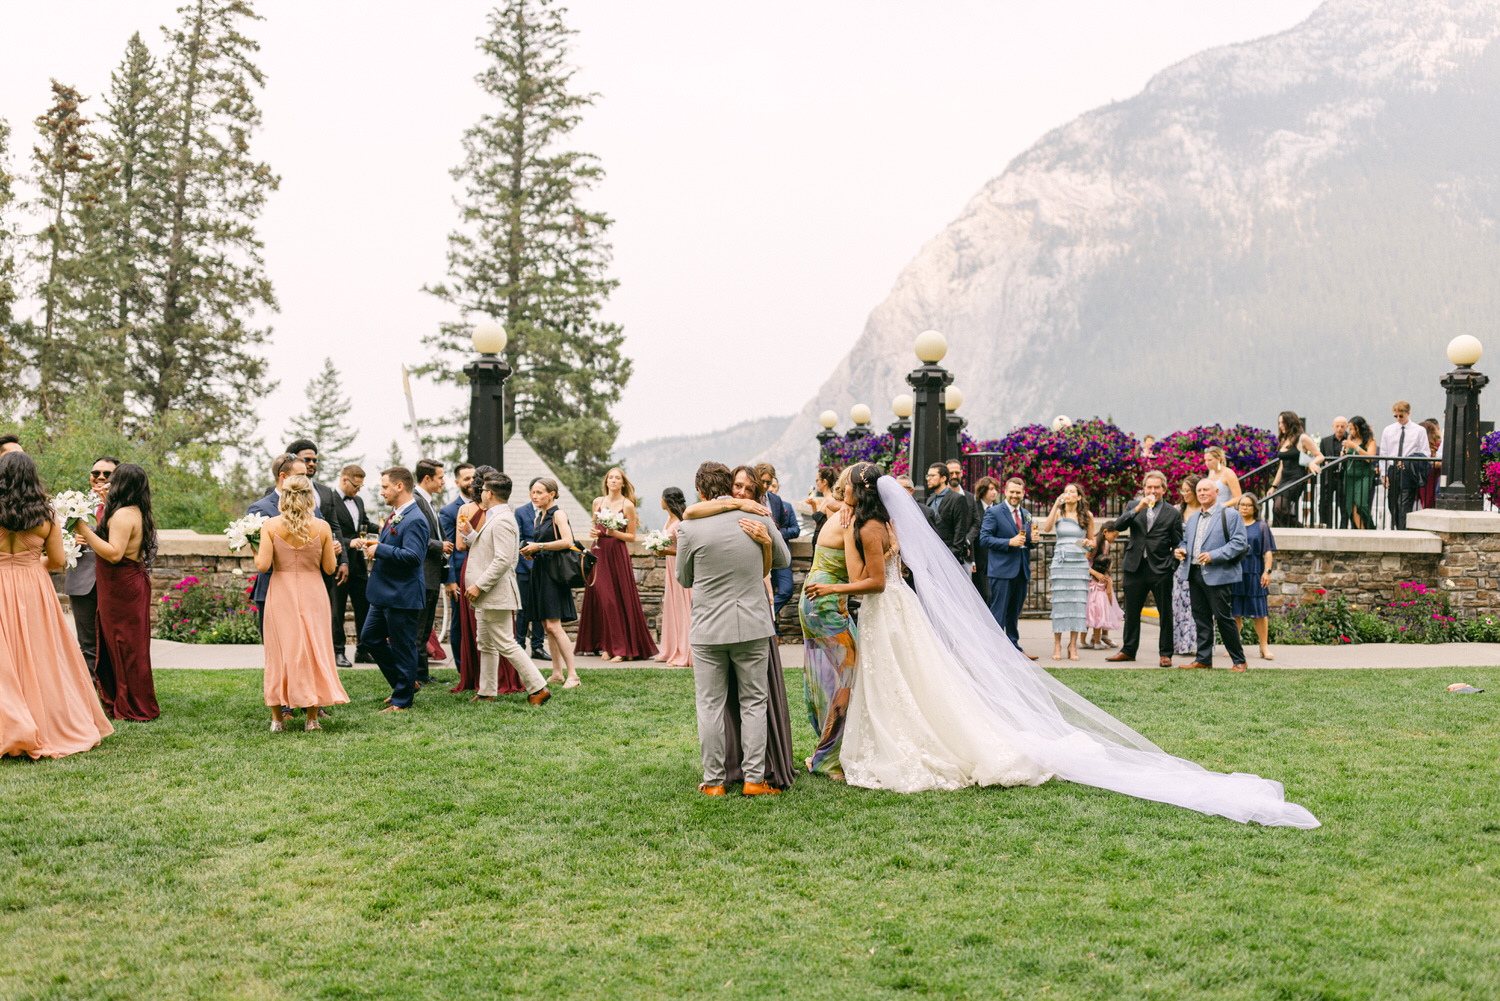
(270, 506)
(397, 589)
(525, 621)
(1006, 535)
(786, 524)
(463, 478)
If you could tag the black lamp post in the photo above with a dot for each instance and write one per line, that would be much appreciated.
(828, 435)
(928, 427)
(901, 406)
(953, 424)
(1462, 464)
(860, 415)
(487, 375)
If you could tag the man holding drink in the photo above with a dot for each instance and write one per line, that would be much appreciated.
(1155, 531)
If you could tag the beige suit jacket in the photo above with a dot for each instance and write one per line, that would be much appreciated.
(492, 561)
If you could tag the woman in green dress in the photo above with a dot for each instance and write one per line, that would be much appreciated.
(829, 639)
(1359, 474)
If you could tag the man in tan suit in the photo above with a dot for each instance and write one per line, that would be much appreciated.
(493, 553)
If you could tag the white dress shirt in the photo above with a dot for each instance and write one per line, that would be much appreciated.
(1393, 443)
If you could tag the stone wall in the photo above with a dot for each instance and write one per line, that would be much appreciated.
(1363, 567)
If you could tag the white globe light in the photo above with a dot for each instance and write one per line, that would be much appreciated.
(489, 337)
(931, 346)
(1061, 421)
(903, 405)
(953, 398)
(859, 414)
(1464, 350)
(828, 419)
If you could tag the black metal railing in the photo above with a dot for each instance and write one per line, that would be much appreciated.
(1329, 497)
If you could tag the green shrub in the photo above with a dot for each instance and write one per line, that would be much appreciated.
(238, 628)
(193, 611)
(1419, 614)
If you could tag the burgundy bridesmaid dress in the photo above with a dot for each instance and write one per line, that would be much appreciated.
(123, 628)
(612, 623)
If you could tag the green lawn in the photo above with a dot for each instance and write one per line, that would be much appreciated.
(467, 851)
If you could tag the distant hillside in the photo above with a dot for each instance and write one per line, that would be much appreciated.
(659, 463)
(1299, 222)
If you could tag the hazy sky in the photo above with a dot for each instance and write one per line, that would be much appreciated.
(771, 165)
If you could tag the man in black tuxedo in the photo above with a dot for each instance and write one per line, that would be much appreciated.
(1155, 531)
(429, 477)
(307, 450)
(1331, 481)
(348, 517)
(950, 511)
(976, 517)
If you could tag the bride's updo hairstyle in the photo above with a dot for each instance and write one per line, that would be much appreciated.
(867, 503)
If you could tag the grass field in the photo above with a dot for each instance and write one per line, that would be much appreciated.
(471, 851)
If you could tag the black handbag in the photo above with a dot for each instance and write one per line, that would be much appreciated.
(571, 567)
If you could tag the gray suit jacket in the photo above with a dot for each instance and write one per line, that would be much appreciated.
(80, 579)
(723, 566)
(492, 560)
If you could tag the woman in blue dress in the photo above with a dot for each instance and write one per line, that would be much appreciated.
(1069, 572)
(1248, 597)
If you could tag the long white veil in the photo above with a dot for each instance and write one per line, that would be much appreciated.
(1058, 728)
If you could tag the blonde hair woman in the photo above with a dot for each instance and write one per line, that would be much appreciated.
(1220, 473)
(612, 622)
(298, 547)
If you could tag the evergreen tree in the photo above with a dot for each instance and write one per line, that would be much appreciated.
(375, 504)
(198, 353)
(11, 361)
(326, 422)
(58, 347)
(530, 254)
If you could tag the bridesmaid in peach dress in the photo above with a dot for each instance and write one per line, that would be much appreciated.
(48, 708)
(676, 600)
(300, 673)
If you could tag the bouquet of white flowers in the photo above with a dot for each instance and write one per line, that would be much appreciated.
(73, 506)
(72, 549)
(656, 542)
(245, 532)
(605, 518)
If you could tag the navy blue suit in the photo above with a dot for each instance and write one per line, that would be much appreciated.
(270, 506)
(526, 525)
(1008, 567)
(397, 592)
(786, 524)
(448, 523)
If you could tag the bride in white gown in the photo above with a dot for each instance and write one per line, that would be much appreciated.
(942, 700)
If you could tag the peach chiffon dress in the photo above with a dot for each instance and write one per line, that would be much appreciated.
(676, 615)
(48, 707)
(298, 639)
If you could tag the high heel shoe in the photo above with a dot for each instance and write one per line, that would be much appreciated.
(312, 724)
(278, 726)
(573, 682)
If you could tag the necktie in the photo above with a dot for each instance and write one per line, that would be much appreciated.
(1150, 517)
(1401, 442)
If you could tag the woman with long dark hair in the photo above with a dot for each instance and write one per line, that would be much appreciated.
(49, 708)
(612, 622)
(124, 617)
(1295, 449)
(676, 600)
(1359, 473)
(1069, 572)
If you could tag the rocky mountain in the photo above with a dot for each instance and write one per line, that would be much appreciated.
(1298, 222)
(671, 462)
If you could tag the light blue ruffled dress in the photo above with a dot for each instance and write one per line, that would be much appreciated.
(1070, 579)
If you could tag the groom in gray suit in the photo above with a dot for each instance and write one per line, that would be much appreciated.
(731, 625)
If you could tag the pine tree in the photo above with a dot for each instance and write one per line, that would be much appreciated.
(198, 354)
(530, 254)
(375, 504)
(326, 422)
(58, 347)
(12, 363)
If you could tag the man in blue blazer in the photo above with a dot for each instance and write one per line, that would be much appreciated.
(1212, 545)
(525, 621)
(270, 506)
(1006, 536)
(463, 478)
(397, 589)
(786, 524)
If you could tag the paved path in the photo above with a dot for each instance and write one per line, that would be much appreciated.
(1036, 636)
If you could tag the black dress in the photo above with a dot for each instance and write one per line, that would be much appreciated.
(550, 600)
(1284, 508)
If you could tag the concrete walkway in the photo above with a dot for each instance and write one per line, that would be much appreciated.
(1036, 637)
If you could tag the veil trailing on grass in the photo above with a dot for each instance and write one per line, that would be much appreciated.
(1058, 728)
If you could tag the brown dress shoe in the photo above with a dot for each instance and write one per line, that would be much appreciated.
(394, 709)
(1166, 662)
(1121, 657)
(759, 789)
(1031, 656)
(537, 698)
(1195, 666)
(709, 790)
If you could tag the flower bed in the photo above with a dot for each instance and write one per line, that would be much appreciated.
(1418, 614)
(1103, 460)
(1489, 452)
(194, 611)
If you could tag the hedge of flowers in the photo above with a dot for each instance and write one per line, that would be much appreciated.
(1489, 451)
(1102, 459)
(195, 611)
(1418, 614)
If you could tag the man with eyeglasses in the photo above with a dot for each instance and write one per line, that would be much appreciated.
(78, 585)
(307, 450)
(1401, 439)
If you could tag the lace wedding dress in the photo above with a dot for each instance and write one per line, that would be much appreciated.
(943, 700)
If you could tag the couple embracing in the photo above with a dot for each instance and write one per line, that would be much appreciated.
(941, 698)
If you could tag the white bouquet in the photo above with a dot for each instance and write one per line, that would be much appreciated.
(73, 506)
(656, 542)
(72, 549)
(605, 518)
(245, 532)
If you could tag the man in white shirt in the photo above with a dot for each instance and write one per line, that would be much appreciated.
(1402, 438)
